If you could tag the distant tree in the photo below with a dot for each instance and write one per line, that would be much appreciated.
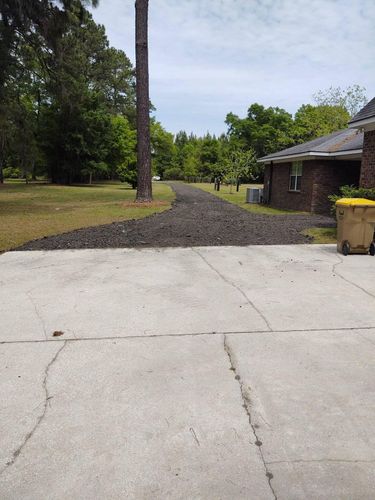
(60, 85)
(239, 165)
(95, 168)
(163, 149)
(89, 83)
(23, 143)
(181, 139)
(121, 156)
(144, 185)
(173, 173)
(190, 165)
(113, 75)
(311, 122)
(186, 151)
(36, 22)
(352, 98)
(127, 172)
(208, 154)
(20, 111)
(266, 130)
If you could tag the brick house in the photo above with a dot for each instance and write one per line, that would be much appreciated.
(365, 121)
(302, 177)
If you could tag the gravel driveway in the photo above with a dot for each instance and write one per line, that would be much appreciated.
(197, 218)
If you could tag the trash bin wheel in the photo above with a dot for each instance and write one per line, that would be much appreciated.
(345, 248)
(372, 248)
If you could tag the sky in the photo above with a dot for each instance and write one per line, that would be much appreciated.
(212, 57)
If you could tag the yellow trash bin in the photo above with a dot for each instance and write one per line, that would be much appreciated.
(355, 225)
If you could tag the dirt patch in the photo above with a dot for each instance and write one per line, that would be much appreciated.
(196, 219)
(152, 204)
(57, 333)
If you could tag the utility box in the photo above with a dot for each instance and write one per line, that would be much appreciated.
(355, 225)
(254, 195)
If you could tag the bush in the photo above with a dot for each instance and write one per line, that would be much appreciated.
(128, 173)
(173, 173)
(12, 173)
(352, 192)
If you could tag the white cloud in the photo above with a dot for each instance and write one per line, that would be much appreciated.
(209, 57)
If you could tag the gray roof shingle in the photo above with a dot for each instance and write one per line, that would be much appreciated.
(365, 113)
(340, 141)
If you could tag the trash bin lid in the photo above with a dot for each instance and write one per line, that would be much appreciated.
(355, 202)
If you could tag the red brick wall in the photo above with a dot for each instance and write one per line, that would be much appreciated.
(281, 197)
(368, 161)
(320, 178)
(329, 175)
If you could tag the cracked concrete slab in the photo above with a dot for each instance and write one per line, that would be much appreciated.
(127, 292)
(142, 398)
(101, 293)
(23, 396)
(312, 400)
(247, 406)
(131, 418)
(302, 287)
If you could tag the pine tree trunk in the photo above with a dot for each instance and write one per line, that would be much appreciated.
(144, 187)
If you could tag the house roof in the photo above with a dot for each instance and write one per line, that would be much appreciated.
(365, 113)
(342, 142)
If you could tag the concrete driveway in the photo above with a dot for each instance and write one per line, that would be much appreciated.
(205, 373)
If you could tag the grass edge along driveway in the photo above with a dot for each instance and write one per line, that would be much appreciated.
(32, 211)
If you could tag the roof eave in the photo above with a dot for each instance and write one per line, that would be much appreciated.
(365, 124)
(310, 155)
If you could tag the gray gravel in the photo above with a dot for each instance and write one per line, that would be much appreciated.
(196, 219)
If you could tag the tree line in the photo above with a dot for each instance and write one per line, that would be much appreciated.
(68, 108)
(264, 130)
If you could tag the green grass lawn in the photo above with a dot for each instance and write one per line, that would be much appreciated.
(321, 234)
(32, 211)
(240, 197)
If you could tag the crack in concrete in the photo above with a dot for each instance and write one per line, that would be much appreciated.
(37, 313)
(321, 460)
(246, 406)
(234, 285)
(334, 271)
(193, 334)
(40, 419)
(47, 265)
(194, 436)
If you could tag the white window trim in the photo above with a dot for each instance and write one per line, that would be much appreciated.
(295, 171)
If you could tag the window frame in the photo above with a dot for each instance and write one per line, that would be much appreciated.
(295, 173)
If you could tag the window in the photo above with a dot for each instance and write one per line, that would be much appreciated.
(295, 176)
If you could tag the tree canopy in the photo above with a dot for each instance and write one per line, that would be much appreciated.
(352, 99)
(61, 86)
